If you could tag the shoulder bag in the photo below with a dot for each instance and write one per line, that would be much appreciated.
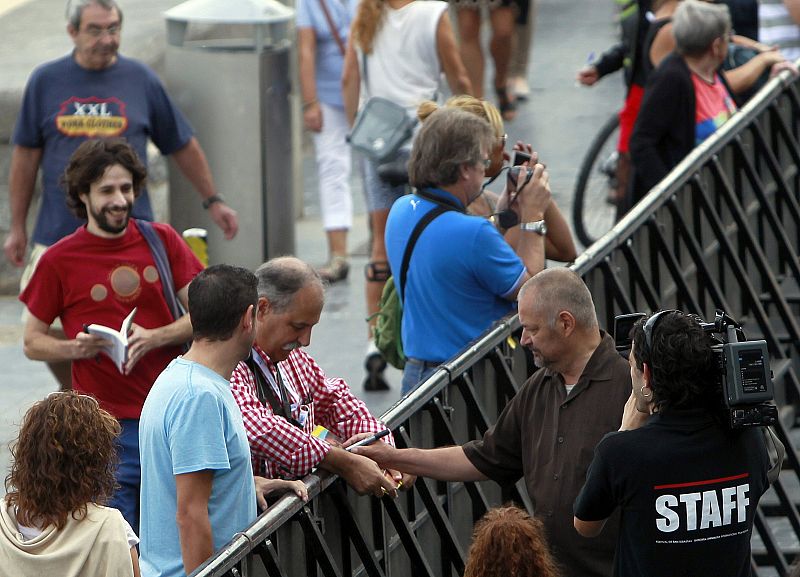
(381, 127)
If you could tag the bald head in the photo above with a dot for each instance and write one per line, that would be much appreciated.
(281, 278)
(559, 289)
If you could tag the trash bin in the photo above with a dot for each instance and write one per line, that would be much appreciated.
(228, 69)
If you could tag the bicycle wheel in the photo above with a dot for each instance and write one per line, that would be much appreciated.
(592, 215)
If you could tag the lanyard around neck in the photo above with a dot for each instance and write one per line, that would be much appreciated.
(275, 393)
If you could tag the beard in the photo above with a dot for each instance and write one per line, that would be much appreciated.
(542, 361)
(104, 216)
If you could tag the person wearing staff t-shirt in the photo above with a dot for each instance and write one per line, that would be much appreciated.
(686, 485)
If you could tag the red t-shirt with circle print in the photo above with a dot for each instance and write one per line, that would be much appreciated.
(87, 279)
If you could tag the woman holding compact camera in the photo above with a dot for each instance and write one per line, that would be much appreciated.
(382, 30)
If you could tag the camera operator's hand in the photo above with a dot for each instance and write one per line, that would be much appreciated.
(632, 416)
(534, 198)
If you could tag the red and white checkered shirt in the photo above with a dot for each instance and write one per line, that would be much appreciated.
(286, 450)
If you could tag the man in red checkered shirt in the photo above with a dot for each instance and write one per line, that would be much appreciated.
(284, 395)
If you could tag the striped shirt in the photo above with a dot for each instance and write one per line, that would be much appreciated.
(775, 26)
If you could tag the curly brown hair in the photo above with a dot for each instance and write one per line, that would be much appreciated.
(367, 23)
(507, 542)
(89, 163)
(63, 459)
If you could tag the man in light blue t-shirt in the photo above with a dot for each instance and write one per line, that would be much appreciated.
(197, 481)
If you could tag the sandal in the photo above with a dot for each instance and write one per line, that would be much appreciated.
(507, 106)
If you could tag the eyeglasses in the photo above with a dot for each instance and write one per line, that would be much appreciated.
(487, 162)
(503, 140)
(99, 31)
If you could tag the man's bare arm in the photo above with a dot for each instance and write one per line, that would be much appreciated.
(533, 200)
(21, 181)
(443, 463)
(39, 345)
(194, 526)
(588, 528)
(192, 162)
(360, 473)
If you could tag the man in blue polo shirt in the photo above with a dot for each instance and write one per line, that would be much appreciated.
(463, 275)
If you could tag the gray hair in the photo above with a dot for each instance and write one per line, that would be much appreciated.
(560, 289)
(697, 24)
(279, 279)
(75, 10)
(449, 138)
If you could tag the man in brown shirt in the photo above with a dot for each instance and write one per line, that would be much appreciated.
(548, 432)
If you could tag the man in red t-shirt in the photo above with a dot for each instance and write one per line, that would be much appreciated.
(97, 275)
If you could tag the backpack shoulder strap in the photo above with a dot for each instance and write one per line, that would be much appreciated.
(421, 225)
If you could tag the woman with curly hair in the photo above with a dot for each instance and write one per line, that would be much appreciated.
(507, 542)
(398, 50)
(53, 520)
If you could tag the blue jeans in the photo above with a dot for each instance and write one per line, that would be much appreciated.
(415, 372)
(128, 473)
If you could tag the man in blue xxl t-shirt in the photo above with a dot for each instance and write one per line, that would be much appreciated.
(198, 489)
(94, 93)
(463, 275)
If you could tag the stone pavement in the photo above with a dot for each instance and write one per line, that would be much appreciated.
(560, 120)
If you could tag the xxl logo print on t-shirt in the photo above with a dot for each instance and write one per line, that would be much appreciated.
(92, 117)
(702, 510)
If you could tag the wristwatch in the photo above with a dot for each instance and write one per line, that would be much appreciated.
(538, 226)
(212, 199)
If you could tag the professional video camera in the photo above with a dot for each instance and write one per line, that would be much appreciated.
(745, 379)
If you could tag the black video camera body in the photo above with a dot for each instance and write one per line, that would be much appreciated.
(745, 379)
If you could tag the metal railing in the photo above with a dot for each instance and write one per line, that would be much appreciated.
(721, 231)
